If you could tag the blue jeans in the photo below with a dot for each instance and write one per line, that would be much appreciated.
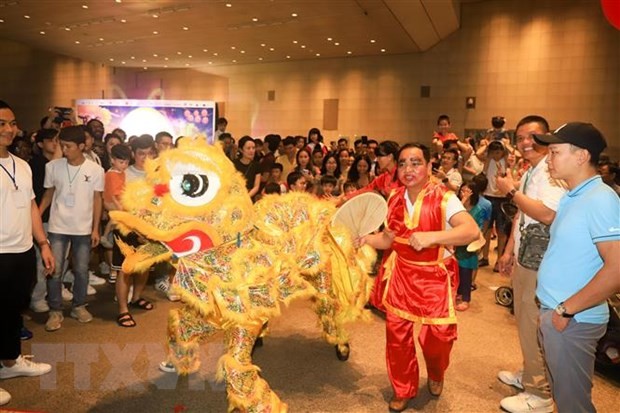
(80, 254)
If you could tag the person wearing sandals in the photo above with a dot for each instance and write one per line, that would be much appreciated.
(142, 148)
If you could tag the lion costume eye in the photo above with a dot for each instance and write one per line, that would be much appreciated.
(191, 187)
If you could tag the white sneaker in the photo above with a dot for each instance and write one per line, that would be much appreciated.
(5, 397)
(54, 321)
(527, 403)
(511, 379)
(81, 314)
(167, 367)
(90, 290)
(162, 285)
(39, 306)
(24, 367)
(66, 294)
(94, 280)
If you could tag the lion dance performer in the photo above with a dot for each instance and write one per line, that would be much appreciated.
(421, 276)
(238, 262)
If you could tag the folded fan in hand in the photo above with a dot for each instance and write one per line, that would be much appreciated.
(362, 214)
(477, 244)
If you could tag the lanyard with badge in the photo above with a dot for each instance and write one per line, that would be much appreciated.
(19, 199)
(70, 198)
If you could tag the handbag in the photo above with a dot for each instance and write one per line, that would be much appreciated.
(534, 240)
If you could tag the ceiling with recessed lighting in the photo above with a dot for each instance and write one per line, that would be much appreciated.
(179, 34)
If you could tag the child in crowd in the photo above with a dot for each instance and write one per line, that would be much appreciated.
(275, 176)
(328, 185)
(113, 188)
(349, 187)
(296, 181)
(468, 261)
(272, 188)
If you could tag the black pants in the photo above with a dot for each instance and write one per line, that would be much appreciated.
(18, 274)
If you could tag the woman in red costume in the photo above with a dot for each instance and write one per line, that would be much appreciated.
(421, 274)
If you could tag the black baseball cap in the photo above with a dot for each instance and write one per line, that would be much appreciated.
(581, 134)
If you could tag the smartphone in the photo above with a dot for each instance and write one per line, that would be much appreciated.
(364, 140)
(435, 166)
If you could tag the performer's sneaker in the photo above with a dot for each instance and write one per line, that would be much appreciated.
(24, 367)
(167, 367)
(511, 379)
(435, 387)
(397, 404)
(527, 403)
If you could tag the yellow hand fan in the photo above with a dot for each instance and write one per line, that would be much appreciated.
(362, 214)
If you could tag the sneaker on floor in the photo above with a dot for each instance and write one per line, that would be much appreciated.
(5, 397)
(104, 268)
(90, 290)
(527, 403)
(66, 294)
(54, 321)
(112, 277)
(24, 367)
(25, 334)
(167, 367)
(40, 306)
(162, 285)
(81, 314)
(511, 379)
(94, 280)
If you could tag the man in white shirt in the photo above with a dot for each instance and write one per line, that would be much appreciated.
(74, 186)
(537, 197)
(19, 223)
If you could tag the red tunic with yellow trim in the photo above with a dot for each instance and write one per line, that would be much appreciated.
(420, 285)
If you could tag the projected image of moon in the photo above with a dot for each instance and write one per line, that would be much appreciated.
(145, 120)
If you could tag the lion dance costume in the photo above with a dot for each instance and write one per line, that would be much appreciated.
(238, 262)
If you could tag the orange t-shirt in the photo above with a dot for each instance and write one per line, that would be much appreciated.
(114, 185)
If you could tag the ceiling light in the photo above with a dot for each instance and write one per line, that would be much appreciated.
(111, 59)
(210, 63)
(155, 16)
(293, 14)
(145, 68)
(233, 47)
(101, 39)
(185, 28)
(271, 49)
(68, 29)
(318, 54)
(143, 60)
(179, 53)
(303, 46)
(186, 64)
(165, 65)
(77, 42)
(26, 16)
(154, 54)
(166, 59)
(133, 57)
(254, 19)
(329, 39)
(228, 5)
(119, 1)
(84, 6)
(155, 32)
(372, 41)
(123, 62)
(123, 21)
(263, 44)
(349, 52)
(243, 51)
(336, 44)
(1, 20)
(205, 50)
(190, 56)
(214, 54)
(294, 41)
(260, 58)
(382, 50)
(234, 61)
(288, 57)
(41, 32)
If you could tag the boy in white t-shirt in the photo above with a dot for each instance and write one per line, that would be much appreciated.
(73, 189)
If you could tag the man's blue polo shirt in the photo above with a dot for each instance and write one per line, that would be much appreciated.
(587, 215)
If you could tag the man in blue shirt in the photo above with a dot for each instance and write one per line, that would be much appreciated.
(580, 268)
